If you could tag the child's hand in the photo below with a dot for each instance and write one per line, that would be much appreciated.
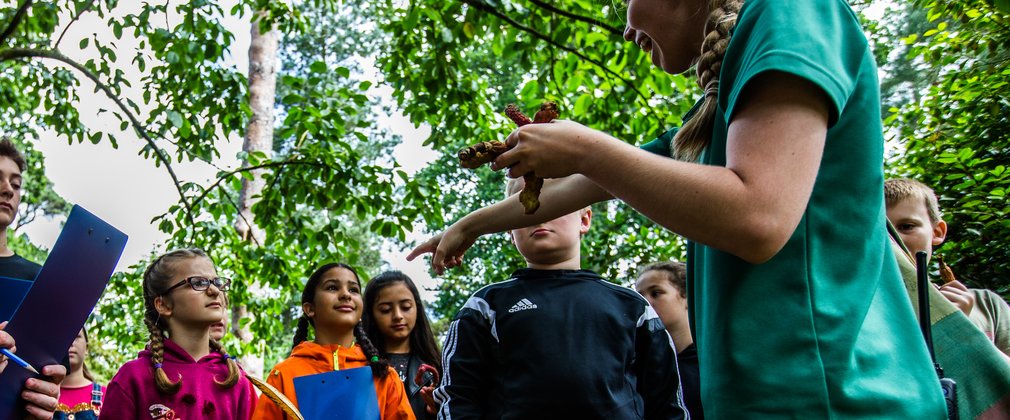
(7, 342)
(427, 394)
(446, 248)
(959, 295)
(551, 150)
(42, 395)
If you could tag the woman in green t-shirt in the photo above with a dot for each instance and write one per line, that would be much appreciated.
(776, 180)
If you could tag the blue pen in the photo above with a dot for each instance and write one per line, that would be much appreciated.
(19, 361)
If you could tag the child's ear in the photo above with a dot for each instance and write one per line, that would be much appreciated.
(939, 232)
(309, 310)
(163, 306)
(586, 218)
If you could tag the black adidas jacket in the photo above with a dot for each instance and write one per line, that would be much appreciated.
(558, 344)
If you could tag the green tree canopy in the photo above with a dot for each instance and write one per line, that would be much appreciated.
(954, 126)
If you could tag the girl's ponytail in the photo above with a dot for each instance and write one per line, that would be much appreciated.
(302, 333)
(161, 380)
(380, 366)
(233, 369)
(696, 134)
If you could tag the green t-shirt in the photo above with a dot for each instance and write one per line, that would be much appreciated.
(992, 315)
(825, 328)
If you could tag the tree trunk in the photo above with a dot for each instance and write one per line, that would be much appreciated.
(259, 138)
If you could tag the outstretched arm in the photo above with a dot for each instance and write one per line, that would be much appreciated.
(558, 198)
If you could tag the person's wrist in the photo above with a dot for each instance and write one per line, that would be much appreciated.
(469, 225)
(594, 148)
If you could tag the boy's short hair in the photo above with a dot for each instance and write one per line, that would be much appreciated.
(900, 189)
(9, 150)
(676, 272)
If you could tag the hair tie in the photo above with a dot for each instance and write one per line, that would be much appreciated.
(228, 356)
(712, 88)
(157, 365)
(375, 358)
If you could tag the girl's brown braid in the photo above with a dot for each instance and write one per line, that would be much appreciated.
(696, 134)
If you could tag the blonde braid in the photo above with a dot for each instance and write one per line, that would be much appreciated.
(161, 380)
(696, 134)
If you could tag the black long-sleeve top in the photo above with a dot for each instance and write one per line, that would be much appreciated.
(558, 344)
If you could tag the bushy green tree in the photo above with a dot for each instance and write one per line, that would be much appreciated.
(955, 132)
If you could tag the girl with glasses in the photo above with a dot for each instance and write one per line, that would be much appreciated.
(183, 373)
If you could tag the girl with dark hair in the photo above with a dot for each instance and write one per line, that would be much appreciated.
(396, 320)
(80, 396)
(192, 376)
(332, 306)
(664, 285)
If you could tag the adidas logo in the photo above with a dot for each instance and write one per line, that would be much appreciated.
(522, 305)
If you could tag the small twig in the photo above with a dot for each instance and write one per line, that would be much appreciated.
(86, 9)
(478, 4)
(586, 19)
(15, 53)
(247, 222)
(15, 21)
(228, 174)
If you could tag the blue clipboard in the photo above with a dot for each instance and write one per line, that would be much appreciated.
(59, 301)
(12, 292)
(341, 394)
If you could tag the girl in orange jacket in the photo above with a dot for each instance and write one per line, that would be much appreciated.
(332, 305)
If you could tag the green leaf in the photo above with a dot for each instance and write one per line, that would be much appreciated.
(84, 43)
(175, 119)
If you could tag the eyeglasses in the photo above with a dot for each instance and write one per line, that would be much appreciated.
(201, 284)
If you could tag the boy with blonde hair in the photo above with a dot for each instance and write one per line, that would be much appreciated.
(556, 341)
(913, 209)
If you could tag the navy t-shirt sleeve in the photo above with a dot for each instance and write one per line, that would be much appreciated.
(17, 267)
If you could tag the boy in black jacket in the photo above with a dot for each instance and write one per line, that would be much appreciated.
(555, 341)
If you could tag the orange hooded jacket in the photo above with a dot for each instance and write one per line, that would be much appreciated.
(309, 358)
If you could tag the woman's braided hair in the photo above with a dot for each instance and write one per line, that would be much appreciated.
(156, 279)
(380, 366)
(696, 134)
